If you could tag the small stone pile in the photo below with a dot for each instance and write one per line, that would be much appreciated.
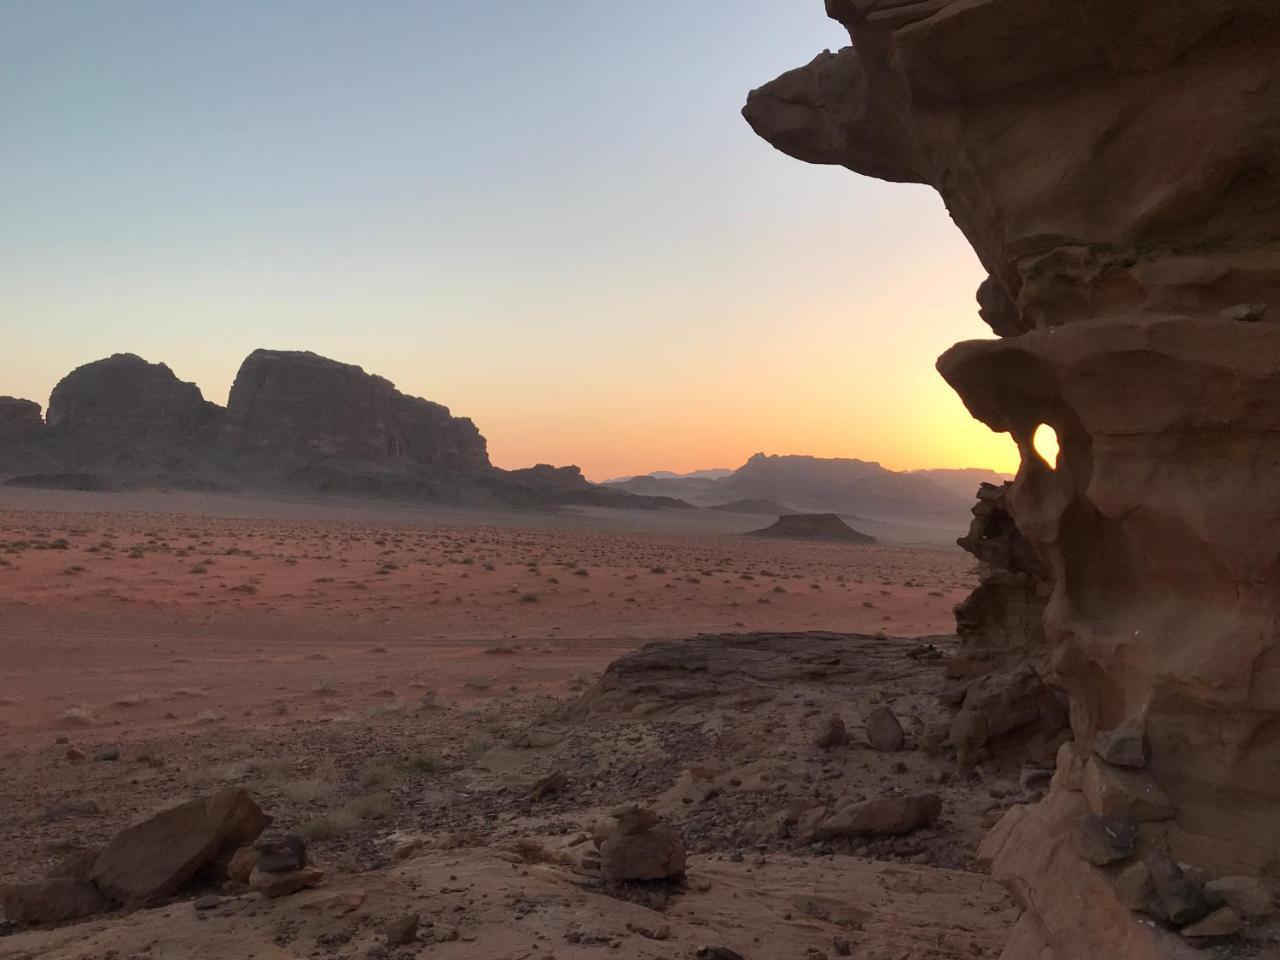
(634, 844)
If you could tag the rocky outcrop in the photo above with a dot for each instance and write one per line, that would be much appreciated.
(295, 422)
(1114, 164)
(1002, 676)
(305, 404)
(19, 418)
(157, 857)
(125, 399)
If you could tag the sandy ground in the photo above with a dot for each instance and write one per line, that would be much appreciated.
(130, 623)
(376, 682)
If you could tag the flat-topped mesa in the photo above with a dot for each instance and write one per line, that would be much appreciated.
(1116, 166)
(285, 401)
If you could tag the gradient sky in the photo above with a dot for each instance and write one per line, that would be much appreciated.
(549, 216)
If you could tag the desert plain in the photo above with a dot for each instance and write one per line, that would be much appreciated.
(395, 687)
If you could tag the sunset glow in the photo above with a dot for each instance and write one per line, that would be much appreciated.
(559, 228)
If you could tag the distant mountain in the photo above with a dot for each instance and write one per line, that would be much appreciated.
(964, 482)
(294, 422)
(716, 473)
(768, 508)
(842, 486)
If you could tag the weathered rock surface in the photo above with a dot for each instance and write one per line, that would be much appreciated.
(634, 844)
(308, 404)
(884, 731)
(880, 817)
(662, 677)
(19, 418)
(278, 853)
(153, 859)
(126, 399)
(1249, 896)
(295, 421)
(1105, 840)
(1113, 165)
(51, 901)
(832, 734)
(284, 883)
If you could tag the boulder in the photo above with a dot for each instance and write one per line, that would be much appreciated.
(1123, 747)
(1175, 898)
(274, 885)
(278, 853)
(884, 731)
(883, 816)
(51, 901)
(1105, 840)
(1112, 791)
(1223, 922)
(155, 858)
(402, 930)
(241, 864)
(1248, 896)
(832, 734)
(634, 844)
(1134, 885)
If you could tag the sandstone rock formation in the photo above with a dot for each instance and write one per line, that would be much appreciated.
(1114, 165)
(19, 418)
(125, 399)
(287, 401)
(294, 422)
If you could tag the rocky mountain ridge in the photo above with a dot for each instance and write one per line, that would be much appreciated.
(846, 486)
(294, 421)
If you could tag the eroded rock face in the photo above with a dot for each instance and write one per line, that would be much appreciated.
(19, 417)
(125, 398)
(1114, 164)
(297, 401)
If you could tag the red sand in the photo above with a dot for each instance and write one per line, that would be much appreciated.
(128, 624)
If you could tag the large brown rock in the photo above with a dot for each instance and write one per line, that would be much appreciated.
(285, 401)
(155, 858)
(1113, 163)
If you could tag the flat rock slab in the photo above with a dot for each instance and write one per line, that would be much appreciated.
(154, 859)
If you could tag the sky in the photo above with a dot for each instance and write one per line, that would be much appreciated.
(550, 217)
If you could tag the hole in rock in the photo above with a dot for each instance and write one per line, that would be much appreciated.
(1045, 441)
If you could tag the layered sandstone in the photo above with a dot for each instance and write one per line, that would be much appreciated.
(289, 401)
(1115, 165)
(124, 398)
